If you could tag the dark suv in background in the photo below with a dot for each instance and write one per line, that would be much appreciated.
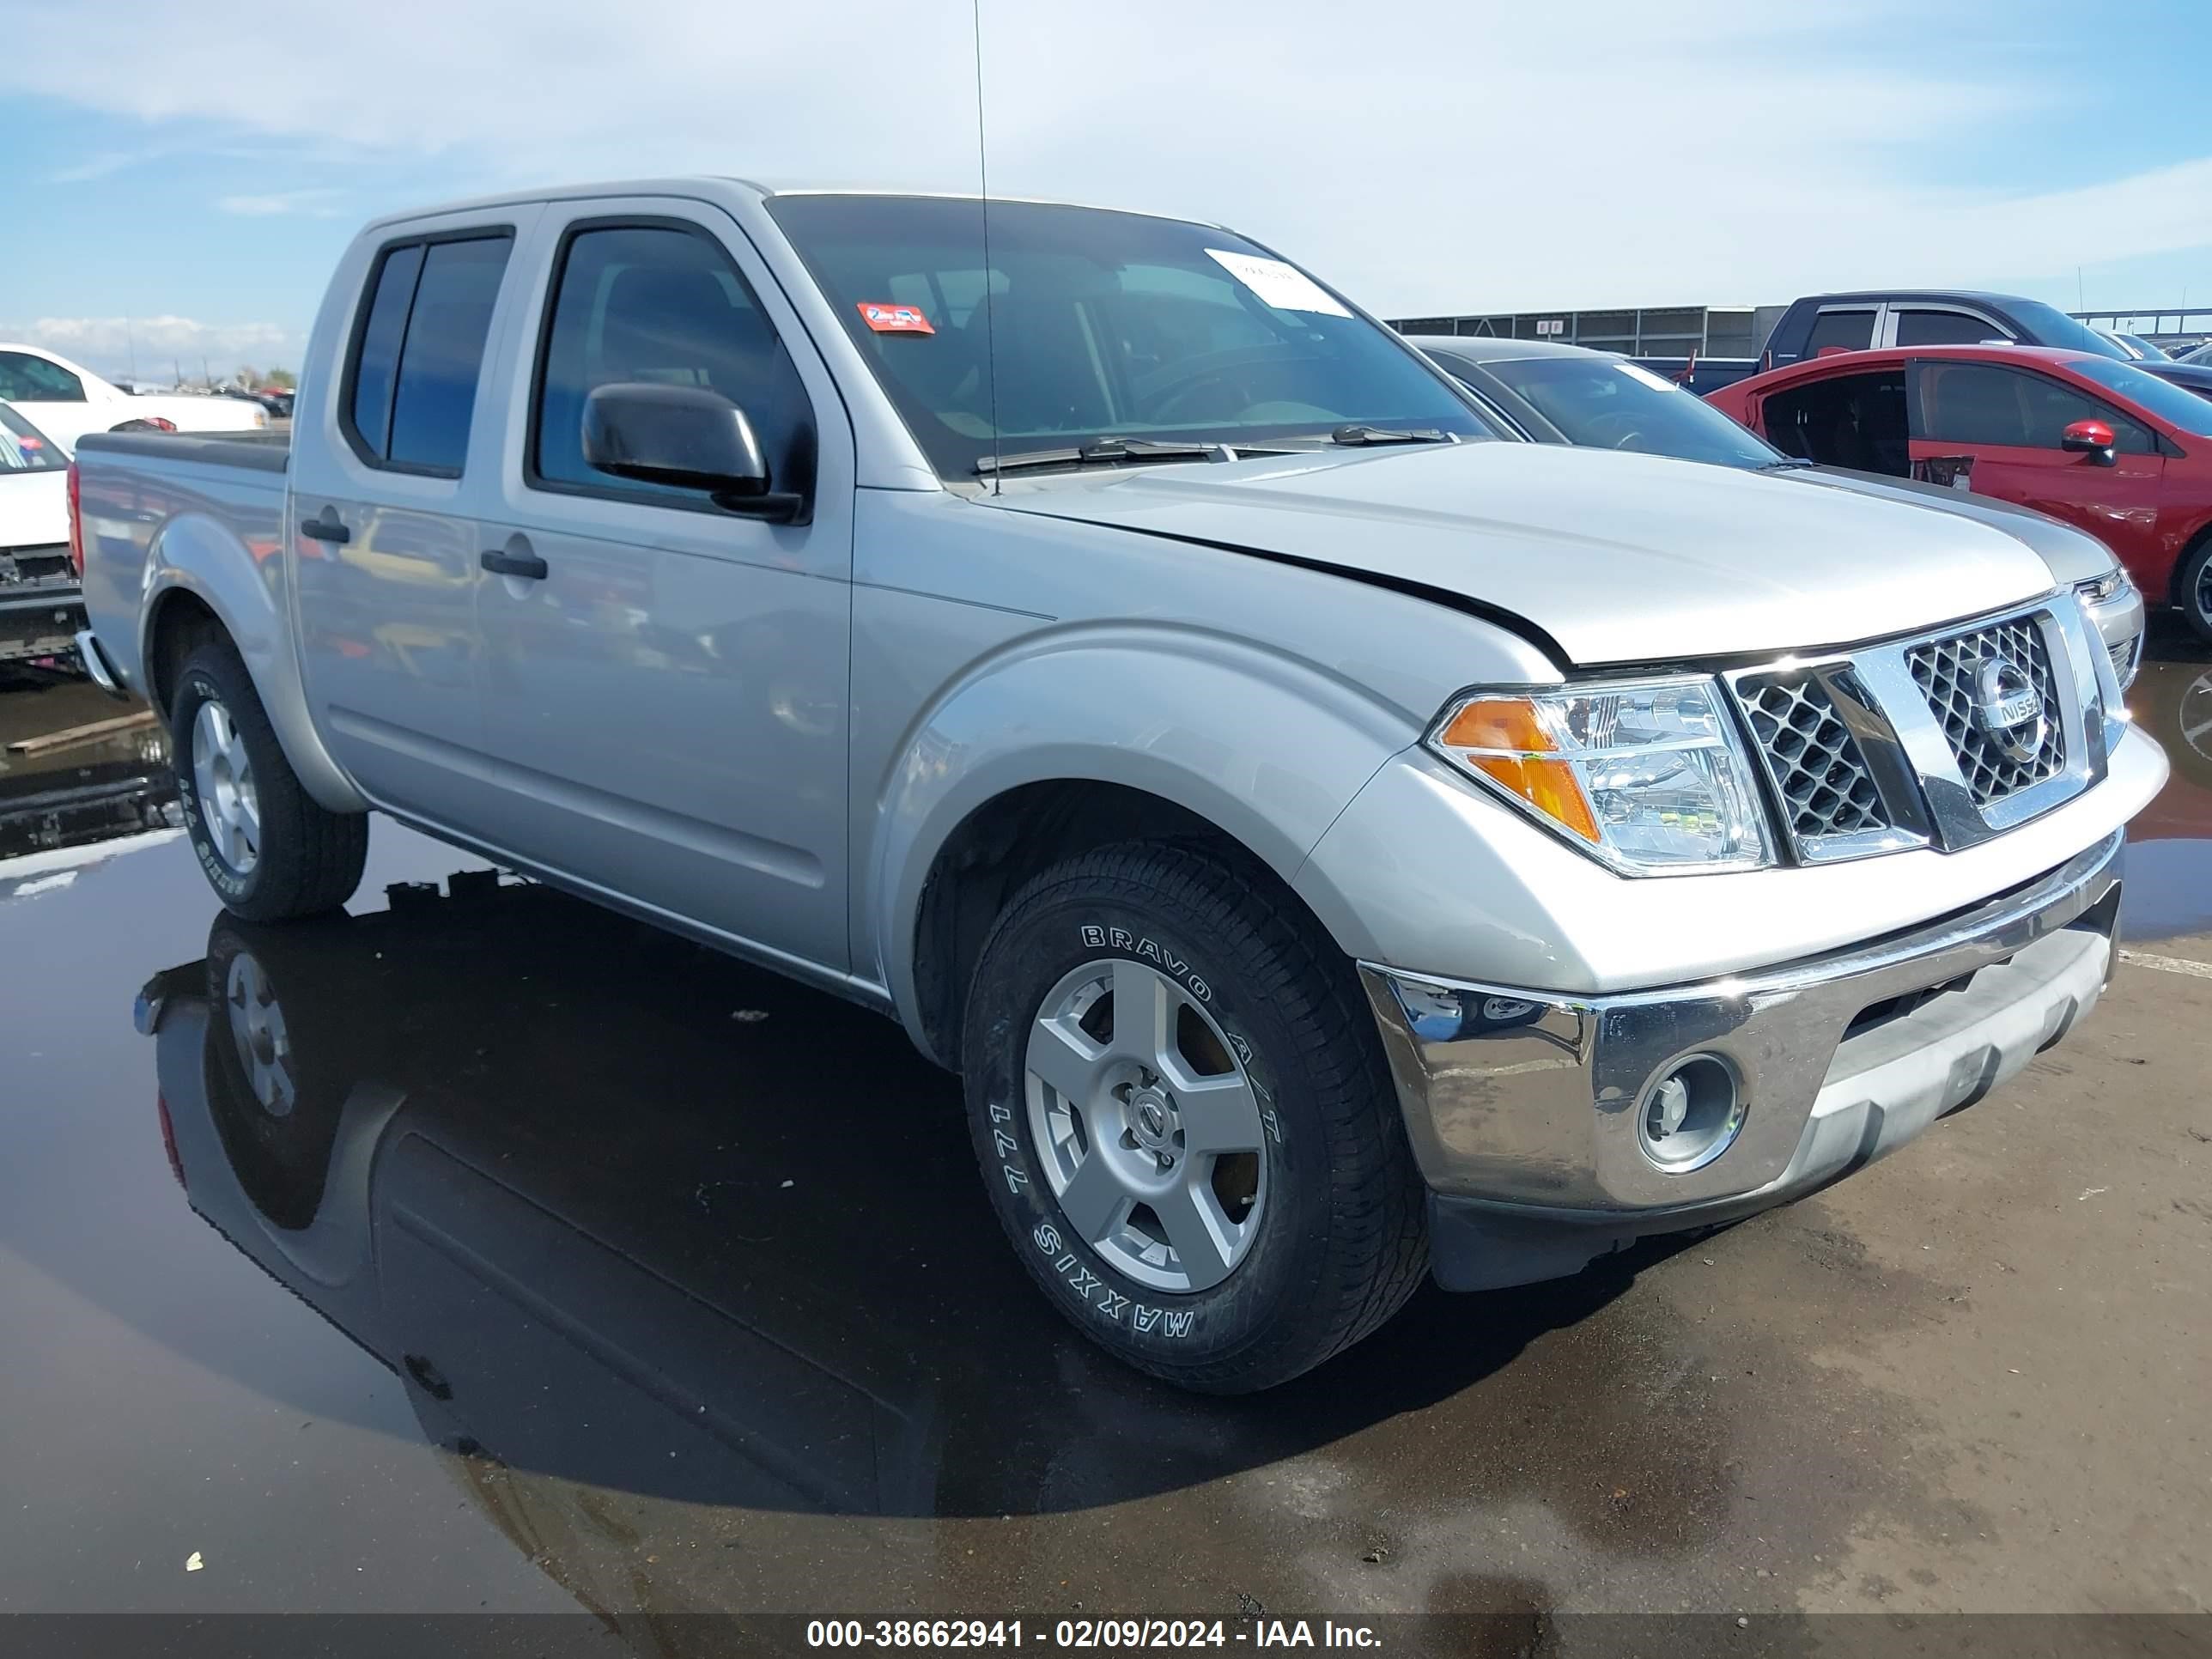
(1923, 316)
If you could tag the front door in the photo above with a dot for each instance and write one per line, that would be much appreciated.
(2007, 421)
(386, 510)
(666, 682)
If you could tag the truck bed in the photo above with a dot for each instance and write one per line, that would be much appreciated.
(139, 493)
(265, 451)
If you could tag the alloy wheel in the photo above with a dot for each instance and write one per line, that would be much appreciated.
(1147, 1124)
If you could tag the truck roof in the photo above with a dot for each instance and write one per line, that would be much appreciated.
(692, 184)
(1986, 295)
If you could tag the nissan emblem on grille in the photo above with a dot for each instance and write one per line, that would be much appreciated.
(1995, 694)
(2009, 707)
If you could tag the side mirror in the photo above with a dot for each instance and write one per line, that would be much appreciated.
(688, 436)
(2091, 438)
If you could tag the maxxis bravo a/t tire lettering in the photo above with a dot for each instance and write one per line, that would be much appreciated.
(307, 859)
(1338, 1241)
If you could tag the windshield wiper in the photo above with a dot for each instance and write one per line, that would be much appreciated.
(1788, 464)
(1357, 434)
(1112, 451)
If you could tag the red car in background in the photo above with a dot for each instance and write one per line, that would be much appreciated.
(2097, 442)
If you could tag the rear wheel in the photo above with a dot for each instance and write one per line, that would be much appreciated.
(268, 849)
(278, 1061)
(2192, 586)
(1185, 1119)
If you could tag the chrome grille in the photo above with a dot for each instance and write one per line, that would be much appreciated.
(1876, 748)
(1944, 671)
(1811, 756)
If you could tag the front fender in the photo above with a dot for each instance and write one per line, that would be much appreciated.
(1268, 748)
(243, 584)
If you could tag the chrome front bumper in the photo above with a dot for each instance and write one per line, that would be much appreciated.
(1522, 1106)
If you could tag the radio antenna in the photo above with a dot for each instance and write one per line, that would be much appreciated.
(983, 180)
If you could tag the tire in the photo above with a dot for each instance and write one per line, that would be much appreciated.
(2192, 586)
(1301, 1243)
(280, 1057)
(299, 859)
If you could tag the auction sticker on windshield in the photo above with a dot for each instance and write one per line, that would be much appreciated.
(886, 318)
(1283, 287)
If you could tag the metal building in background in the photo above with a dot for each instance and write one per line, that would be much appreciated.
(1640, 332)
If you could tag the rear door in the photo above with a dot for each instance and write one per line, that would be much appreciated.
(2007, 421)
(667, 700)
(387, 499)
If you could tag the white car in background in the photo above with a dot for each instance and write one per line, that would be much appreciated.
(65, 400)
(42, 607)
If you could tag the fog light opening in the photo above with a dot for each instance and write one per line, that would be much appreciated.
(1690, 1113)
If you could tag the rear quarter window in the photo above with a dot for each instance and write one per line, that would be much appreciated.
(417, 355)
(27, 379)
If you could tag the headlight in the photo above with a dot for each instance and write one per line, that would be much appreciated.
(1646, 776)
(2101, 590)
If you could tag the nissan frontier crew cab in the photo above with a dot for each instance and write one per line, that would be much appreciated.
(1330, 843)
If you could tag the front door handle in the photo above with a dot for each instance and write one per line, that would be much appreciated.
(326, 530)
(528, 566)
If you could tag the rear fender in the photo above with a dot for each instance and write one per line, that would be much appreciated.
(195, 554)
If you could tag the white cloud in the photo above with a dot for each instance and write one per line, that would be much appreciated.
(1431, 154)
(315, 204)
(158, 345)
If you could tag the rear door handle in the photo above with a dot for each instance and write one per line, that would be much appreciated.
(528, 566)
(326, 530)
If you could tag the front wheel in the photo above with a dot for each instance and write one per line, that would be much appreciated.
(1186, 1121)
(268, 849)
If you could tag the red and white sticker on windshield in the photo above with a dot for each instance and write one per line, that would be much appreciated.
(887, 319)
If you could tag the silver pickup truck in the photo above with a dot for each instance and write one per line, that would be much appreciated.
(1331, 844)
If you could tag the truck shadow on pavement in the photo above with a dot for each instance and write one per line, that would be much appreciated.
(619, 1211)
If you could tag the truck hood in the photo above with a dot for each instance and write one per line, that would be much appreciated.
(2073, 556)
(1618, 557)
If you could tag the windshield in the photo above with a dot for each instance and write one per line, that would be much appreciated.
(2170, 403)
(2048, 326)
(1101, 325)
(24, 448)
(1603, 402)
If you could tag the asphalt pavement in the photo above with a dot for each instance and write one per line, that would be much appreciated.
(481, 1250)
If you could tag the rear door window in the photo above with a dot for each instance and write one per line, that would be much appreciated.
(419, 353)
(378, 359)
(1841, 330)
(27, 379)
(1855, 420)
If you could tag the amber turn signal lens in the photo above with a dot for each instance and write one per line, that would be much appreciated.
(1504, 739)
(1507, 724)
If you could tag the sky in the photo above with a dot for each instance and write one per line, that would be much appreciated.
(181, 179)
